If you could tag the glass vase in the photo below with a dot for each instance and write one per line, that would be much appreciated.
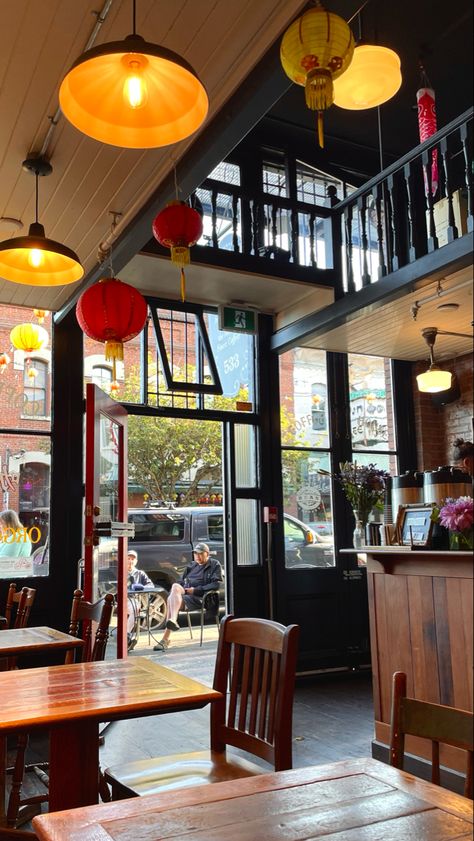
(460, 541)
(358, 535)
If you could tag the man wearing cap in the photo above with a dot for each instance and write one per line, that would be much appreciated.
(137, 580)
(202, 575)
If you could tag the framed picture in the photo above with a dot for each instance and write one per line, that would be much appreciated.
(414, 525)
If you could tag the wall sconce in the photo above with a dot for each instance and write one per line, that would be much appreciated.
(435, 379)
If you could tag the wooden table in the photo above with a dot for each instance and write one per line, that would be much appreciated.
(13, 643)
(41, 640)
(70, 701)
(356, 800)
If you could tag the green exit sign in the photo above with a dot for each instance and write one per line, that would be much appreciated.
(237, 319)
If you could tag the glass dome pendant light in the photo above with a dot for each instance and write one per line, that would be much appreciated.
(34, 259)
(435, 378)
(372, 78)
(133, 94)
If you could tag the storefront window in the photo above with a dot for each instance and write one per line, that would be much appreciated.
(308, 520)
(371, 411)
(25, 454)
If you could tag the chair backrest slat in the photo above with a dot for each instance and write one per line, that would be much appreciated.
(255, 690)
(24, 602)
(266, 678)
(259, 658)
(438, 723)
(99, 612)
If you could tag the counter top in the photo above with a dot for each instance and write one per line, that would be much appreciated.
(404, 550)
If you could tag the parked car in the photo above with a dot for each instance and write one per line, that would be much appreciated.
(304, 547)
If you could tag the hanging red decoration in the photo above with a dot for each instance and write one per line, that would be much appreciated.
(178, 227)
(4, 362)
(425, 98)
(113, 312)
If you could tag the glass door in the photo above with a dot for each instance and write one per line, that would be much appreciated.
(106, 505)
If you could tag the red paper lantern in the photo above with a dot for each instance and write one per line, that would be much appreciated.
(112, 312)
(178, 227)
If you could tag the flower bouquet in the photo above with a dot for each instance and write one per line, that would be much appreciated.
(364, 487)
(457, 515)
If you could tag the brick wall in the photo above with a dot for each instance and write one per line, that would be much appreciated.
(436, 428)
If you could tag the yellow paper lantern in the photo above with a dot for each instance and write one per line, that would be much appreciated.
(373, 78)
(29, 337)
(315, 50)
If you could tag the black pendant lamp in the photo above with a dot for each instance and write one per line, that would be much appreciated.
(133, 94)
(36, 260)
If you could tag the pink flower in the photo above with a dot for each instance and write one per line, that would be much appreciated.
(457, 514)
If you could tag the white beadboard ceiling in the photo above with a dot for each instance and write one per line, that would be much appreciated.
(390, 330)
(222, 40)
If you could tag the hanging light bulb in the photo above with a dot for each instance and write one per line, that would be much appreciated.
(114, 387)
(36, 260)
(133, 94)
(135, 88)
(32, 373)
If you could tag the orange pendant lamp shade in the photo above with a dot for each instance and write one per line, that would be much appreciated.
(178, 227)
(373, 77)
(133, 94)
(315, 50)
(35, 260)
(29, 337)
(113, 312)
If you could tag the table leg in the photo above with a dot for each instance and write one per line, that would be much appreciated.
(74, 765)
(3, 765)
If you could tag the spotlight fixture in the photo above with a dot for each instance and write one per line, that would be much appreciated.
(435, 379)
(34, 259)
(133, 94)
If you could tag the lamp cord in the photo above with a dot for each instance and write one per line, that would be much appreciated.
(134, 17)
(36, 198)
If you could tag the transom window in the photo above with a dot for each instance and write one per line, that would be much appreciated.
(35, 386)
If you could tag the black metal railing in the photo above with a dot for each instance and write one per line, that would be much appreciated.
(413, 207)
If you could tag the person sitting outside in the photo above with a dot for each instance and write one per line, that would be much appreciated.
(137, 580)
(202, 575)
(14, 540)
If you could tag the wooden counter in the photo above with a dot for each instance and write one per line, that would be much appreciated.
(421, 623)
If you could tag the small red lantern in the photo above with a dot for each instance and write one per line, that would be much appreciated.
(113, 312)
(178, 227)
(4, 362)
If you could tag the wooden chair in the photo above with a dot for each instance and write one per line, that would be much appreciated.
(23, 600)
(256, 659)
(19, 810)
(439, 724)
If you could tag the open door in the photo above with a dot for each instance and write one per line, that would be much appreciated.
(106, 528)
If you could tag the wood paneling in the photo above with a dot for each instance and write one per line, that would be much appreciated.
(421, 624)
